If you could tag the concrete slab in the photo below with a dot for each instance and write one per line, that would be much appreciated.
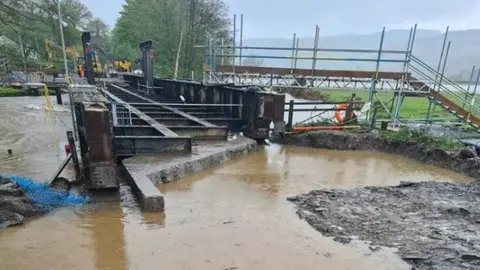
(147, 194)
(147, 171)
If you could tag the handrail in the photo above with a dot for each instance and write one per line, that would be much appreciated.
(461, 90)
(442, 87)
(420, 62)
(452, 93)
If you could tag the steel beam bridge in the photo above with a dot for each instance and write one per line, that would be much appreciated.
(304, 78)
(171, 115)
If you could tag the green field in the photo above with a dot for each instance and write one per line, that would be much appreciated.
(412, 107)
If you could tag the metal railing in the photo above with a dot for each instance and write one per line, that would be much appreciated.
(317, 109)
(121, 114)
(455, 92)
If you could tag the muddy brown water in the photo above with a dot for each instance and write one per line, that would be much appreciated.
(232, 216)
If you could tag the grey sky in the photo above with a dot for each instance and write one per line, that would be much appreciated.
(280, 18)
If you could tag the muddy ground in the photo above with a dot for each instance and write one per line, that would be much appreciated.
(434, 225)
(21, 202)
(15, 206)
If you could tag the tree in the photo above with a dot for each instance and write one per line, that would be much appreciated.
(34, 21)
(162, 21)
(98, 28)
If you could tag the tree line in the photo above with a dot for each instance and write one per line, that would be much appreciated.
(175, 27)
(26, 24)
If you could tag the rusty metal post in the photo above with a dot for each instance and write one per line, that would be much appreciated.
(349, 109)
(73, 149)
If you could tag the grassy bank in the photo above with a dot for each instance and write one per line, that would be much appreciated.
(12, 92)
(412, 107)
(424, 140)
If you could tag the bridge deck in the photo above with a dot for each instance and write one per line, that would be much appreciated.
(308, 72)
(143, 125)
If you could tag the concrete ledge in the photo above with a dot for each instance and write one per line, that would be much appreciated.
(147, 194)
(145, 172)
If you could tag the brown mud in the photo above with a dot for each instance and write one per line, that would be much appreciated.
(15, 206)
(434, 225)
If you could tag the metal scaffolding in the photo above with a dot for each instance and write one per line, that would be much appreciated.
(416, 79)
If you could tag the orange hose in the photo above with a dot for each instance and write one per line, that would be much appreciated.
(323, 128)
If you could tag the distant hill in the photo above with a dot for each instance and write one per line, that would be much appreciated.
(464, 51)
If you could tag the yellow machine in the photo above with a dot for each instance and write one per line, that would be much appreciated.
(49, 53)
(123, 65)
(97, 66)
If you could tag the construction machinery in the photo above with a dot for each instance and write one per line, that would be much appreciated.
(89, 60)
(72, 54)
(96, 65)
(123, 65)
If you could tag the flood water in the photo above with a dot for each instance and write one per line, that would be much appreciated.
(232, 216)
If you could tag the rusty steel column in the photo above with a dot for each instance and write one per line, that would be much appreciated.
(146, 48)
(101, 155)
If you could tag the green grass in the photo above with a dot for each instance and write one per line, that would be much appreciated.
(412, 107)
(423, 139)
(462, 96)
(10, 92)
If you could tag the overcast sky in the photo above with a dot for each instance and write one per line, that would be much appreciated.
(281, 18)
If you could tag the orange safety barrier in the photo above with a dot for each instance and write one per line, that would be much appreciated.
(302, 129)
